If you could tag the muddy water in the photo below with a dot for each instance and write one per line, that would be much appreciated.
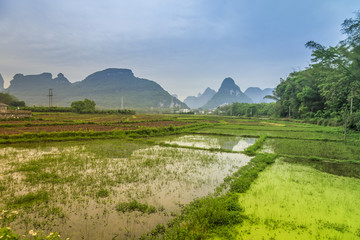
(213, 141)
(163, 177)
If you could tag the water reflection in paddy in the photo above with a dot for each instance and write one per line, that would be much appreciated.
(162, 177)
(213, 141)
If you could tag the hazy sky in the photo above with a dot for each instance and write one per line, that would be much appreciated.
(184, 45)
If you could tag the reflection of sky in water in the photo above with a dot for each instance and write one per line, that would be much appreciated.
(243, 143)
(224, 142)
(267, 147)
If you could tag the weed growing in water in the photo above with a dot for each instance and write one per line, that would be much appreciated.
(135, 206)
(29, 199)
(86, 180)
(102, 193)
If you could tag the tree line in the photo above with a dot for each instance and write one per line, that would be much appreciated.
(246, 109)
(328, 89)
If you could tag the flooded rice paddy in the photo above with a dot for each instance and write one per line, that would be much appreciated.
(80, 188)
(311, 148)
(212, 141)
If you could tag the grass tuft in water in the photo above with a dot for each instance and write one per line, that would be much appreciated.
(29, 199)
(135, 206)
(102, 193)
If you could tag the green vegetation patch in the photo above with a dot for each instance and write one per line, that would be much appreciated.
(251, 150)
(291, 201)
(135, 206)
(294, 133)
(102, 193)
(205, 217)
(29, 199)
(322, 149)
(341, 168)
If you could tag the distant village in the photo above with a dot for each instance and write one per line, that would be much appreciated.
(6, 114)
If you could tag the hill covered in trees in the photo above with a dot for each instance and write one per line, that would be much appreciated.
(111, 88)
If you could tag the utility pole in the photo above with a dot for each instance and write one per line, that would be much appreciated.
(289, 112)
(345, 128)
(159, 101)
(50, 97)
(122, 103)
(351, 100)
(172, 105)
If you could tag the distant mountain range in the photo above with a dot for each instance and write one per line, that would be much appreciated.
(116, 88)
(228, 93)
(110, 88)
(200, 100)
(257, 95)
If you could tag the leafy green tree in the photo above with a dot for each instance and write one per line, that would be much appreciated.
(246, 109)
(86, 106)
(330, 84)
(339, 68)
(298, 95)
(78, 106)
(89, 105)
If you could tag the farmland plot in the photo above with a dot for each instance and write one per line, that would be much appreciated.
(105, 188)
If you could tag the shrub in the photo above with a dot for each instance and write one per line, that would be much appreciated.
(354, 121)
(86, 106)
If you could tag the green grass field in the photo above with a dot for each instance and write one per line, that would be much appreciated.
(291, 201)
